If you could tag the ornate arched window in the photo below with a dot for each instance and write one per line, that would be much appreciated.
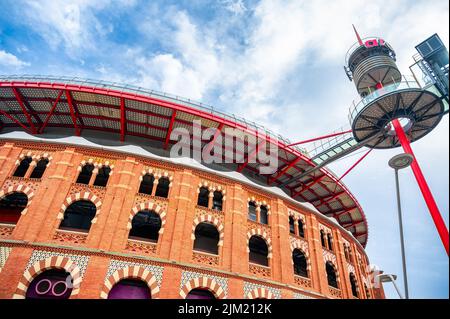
(51, 284)
(217, 200)
(130, 288)
(145, 226)
(206, 238)
(322, 239)
(102, 176)
(162, 190)
(331, 275)
(330, 241)
(22, 169)
(300, 264)
(301, 228)
(354, 285)
(291, 225)
(39, 170)
(146, 186)
(11, 207)
(78, 216)
(258, 251)
(252, 211)
(203, 197)
(85, 174)
(263, 215)
(200, 293)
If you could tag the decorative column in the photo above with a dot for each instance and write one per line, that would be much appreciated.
(93, 176)
(31, 167)
(155, 184)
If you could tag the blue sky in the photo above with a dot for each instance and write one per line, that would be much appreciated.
(276, 62)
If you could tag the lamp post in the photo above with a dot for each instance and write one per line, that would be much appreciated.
(390, 278)
(398, 162)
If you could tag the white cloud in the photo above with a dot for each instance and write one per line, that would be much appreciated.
(10, 60)
(235, 6)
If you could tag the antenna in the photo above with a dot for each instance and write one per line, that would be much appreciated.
(357, 35)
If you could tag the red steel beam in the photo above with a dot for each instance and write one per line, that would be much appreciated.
(326, 201)
(52, 110)
(305, 188)
(122, 120)
(72, 113)
(24, 110)
(16, 121)
(169, 131)
(284, 170)
(426, 192)
(354, 165)
(211, 144)
(320, 138)
(250, 156)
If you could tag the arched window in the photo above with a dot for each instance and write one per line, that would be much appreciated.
(258, 251)
(331, 275)
(199, 293)
(291, 225)
(78, 216)
(85, 175)
(203, 197)
(145, 226)
(22, 169)
(330, 241)
(206, 238)
(146, 186)
(367, 291)
(130, 289)
(322, 239)
(346, 253)
(218, 201)
(252, 211)
(301, 229)
(354, 285)
(263, 215)
(39, 170)
(11, 207)
(162, 190)
(102, 176)
(300, 265)
(51, 284)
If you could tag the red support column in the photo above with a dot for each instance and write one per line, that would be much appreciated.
(434, 210)
(72, 113)
(47, 119)
(122, 119)
(24, 110)
(169, 131)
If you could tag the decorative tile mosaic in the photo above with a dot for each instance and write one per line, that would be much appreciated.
(188, 275)
(301, 296)
(4, 254)
(114, 265)
(80, 260)
(249, 287)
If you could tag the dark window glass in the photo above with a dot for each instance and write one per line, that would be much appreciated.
(206, 238)
(39, 170)
(130, 289)
(102, 176)
(145, 226)
(11, 207)
(78, 216)
(258, 251)
(162, 190)
(85, 175)
(22, 169)
(322, 239)
(367, 291)
(146, 186)
(217, 200)
(252, 211)
(301, 229)
(330, 242)
(51, 284)
(291, 225)
(203, 197)
(300, 265)
(331, 275)
(354, 286)
(263, 215)
(200, 294)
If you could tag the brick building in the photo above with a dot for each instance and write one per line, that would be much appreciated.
(120, 223)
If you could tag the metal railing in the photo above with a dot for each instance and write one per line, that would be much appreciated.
(126, 88)
(405, 83)
(356, 46)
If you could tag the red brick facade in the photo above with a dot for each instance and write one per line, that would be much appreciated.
(171, 268)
